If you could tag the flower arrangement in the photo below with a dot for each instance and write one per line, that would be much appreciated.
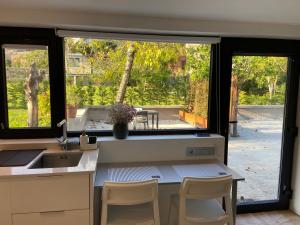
(121, 113)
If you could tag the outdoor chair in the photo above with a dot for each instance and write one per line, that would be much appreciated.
(142, 118)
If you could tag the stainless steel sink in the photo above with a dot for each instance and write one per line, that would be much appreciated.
(55, 160)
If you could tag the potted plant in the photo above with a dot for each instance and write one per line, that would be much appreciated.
(72, 101)
(120, 115)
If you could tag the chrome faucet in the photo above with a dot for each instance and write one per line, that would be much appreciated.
(63, 141)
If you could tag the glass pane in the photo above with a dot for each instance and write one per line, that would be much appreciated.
(28, 88)
(167, 81)
(255, 142)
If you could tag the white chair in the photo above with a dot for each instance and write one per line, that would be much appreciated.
(130, 203)
(197, 202)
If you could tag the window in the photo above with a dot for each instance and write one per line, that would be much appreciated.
(27, 86)
(31, 72)
(166, 80)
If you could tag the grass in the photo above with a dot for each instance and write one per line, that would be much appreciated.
(17, 118)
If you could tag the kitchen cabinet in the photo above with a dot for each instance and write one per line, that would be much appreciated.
(5, 213)
(71, 217)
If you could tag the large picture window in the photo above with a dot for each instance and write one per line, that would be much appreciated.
(166, 82)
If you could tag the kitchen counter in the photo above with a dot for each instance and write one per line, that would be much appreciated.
(87, 164)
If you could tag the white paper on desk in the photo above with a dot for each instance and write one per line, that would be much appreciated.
(200, 170)
(133, 174)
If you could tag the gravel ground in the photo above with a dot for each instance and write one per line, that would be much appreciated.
(255, 154)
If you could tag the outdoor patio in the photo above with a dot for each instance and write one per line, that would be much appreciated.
(163, 124)
(96, 118)
(256, 153)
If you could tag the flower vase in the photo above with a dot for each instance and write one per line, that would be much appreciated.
(120, 130)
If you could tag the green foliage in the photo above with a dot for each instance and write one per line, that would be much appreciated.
(17, 118)
(260, 78)
(44, 109)
(16, 95)
(162, 73)
(25, 59)
(252, 99)
(198, 63)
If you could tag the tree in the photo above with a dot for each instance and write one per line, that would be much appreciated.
(234, 99)
(198, 70)
(126, 75)
(31, 91)
(259, 74)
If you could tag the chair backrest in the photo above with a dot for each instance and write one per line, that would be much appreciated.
(206, 188)
(142, 113)
(129, 193)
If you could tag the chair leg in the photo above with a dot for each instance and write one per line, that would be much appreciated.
(156, 212)
(169, 215)
(228, 206)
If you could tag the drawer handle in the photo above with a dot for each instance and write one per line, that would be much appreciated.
(50, 212)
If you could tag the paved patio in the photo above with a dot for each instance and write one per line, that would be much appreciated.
(255, 154)
(163, 124)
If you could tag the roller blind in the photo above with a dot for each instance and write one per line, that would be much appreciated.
(139, 37)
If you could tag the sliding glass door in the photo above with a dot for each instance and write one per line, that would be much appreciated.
(257, 103)
(260, 98)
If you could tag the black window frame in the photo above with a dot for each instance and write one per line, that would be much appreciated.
(56, 51)
(34, 36)
(230, 47)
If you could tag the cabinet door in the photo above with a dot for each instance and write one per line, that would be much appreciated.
(53, 193)
(74, 217)
(5, 217)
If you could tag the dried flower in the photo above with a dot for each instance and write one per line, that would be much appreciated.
(121, 113)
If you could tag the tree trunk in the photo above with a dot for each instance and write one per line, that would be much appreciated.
(31, 91)
(234, 97)
(126, 75)
(272, 86)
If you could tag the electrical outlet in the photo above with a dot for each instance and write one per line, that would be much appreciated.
(200, 151)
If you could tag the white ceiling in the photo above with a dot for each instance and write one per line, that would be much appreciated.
(266, 11)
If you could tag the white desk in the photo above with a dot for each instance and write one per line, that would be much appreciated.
(166, 173)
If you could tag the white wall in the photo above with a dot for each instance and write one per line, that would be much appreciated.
(157, 148)
(295, 202)
(116, 22)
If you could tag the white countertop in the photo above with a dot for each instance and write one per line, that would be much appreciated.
(171, 172)
(87, 164)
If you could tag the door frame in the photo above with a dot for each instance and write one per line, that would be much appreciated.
(230, 47)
